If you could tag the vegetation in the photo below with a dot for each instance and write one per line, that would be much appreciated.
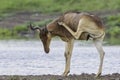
(113, 29)
(12, 33)
(57, 5)
(19, 31)
(9, 7)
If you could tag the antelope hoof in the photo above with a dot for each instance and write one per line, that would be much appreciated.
(65, 73)
(97, 75)
(60, 23)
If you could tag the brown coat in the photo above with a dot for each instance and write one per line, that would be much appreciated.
(71, 19)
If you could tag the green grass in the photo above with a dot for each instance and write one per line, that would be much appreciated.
(8, 7)
(57, 5)
(113, 29)
(18, 31)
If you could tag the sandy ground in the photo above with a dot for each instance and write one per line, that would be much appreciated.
(83, 76)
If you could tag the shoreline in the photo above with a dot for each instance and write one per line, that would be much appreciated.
(83, 76)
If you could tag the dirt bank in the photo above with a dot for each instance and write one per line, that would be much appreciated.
(23, 17)
(114, 76)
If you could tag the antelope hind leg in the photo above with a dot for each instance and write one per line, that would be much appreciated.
(76, 34)
(98, 44)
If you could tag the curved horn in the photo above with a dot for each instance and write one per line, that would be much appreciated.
(34, 28)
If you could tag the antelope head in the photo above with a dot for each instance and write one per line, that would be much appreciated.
(44, 35)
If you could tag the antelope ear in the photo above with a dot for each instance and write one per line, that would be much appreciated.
(51, 27)
(38, 29)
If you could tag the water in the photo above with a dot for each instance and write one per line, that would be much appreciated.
(20, 57)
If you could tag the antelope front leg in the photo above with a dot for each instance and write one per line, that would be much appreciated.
(68, 53)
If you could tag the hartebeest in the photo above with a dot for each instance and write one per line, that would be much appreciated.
(71, 26)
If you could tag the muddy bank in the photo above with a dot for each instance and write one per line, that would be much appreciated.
(114, 76)
(23, 17)
(19, 18)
